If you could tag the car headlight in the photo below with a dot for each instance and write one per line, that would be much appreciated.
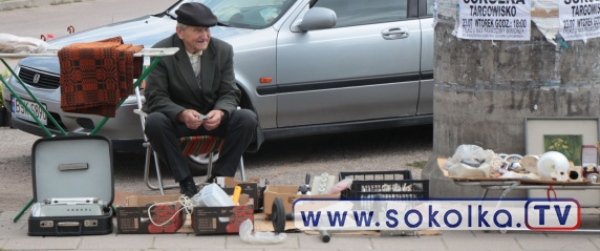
(11, 80)
(10, 77)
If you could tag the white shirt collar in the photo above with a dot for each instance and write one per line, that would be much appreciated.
(197, 54)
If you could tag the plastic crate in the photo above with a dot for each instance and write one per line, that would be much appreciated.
(388, 189)
(385, 185)
(377, 175)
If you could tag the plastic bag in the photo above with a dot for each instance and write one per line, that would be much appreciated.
(15, 44)
(470, 152)
(259, 237)
(340, 186)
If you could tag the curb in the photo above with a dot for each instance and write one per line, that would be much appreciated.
(20, 4)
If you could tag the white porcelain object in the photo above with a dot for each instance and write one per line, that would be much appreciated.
(465, 171)
(551, 162)
(529, 163)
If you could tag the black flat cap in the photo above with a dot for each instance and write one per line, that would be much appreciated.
(195, 14)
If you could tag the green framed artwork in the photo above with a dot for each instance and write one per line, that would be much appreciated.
(569, 145)
(565, 135)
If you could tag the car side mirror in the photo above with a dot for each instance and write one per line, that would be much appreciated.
(318, 18)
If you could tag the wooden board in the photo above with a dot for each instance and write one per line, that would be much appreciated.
(442, 161)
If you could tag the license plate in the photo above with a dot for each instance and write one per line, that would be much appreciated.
(18, 111)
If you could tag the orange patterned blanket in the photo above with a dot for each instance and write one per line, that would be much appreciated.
(95, 76)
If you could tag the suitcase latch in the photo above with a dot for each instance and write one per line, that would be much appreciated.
(90, 223)
(46, 224)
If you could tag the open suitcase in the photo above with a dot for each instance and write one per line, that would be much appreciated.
(72, 185)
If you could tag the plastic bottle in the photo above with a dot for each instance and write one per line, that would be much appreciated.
(259, 237)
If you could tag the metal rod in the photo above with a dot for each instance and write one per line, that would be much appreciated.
(23, 211)
(136, 84)
(35, 99)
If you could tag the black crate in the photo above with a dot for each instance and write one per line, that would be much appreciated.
(377, 175)
(388, 189)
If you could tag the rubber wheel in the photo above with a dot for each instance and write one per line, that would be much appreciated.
(326, 238)
(278, 215)
(196, 168)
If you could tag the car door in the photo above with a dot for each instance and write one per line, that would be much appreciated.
(364, 68)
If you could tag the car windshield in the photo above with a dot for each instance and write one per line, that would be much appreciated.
(243, 13)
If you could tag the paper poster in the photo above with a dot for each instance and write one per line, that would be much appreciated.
(495, 19)
(579, 19)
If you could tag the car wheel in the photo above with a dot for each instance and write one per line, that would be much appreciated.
(203, 158)
(198, 165)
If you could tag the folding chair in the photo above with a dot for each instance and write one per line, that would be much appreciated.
(190, 145)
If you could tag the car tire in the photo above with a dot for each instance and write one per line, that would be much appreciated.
(197, 168)
(203, 158)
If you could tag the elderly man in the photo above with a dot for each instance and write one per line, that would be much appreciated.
(194, 93)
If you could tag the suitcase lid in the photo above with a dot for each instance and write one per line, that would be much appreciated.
(73, 167)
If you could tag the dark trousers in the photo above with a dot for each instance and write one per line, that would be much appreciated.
(237, 132)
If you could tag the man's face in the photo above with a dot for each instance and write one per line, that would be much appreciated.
(194, 38)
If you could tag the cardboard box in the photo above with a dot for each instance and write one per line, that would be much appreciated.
(133, 217)
(222, 220)
(288, 194)
(248, 187)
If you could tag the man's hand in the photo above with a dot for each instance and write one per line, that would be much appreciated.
(214, 119)
(190, 118)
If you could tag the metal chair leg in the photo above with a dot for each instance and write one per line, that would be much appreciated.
(241, 168)
(158, 174)
(208, 169)
(160, 185)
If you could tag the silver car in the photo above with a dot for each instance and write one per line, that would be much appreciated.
(306, 67)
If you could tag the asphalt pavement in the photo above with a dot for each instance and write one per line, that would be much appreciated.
(283, 162)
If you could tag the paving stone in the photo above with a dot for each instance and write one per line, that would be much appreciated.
(10, 229)
(482, 242)
(593, 237)
(257, 249)
(2, 242)
(234, 242)
(112, 241)
(167, 249)
(408, 243)
(519, 233)
(556, 242)
(41, 243)
(184, 241)
(6, 218)
(304, 249)
(134, 250)
(342, 242)
(457, 233)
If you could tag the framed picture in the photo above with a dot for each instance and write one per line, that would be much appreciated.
(564, 135)
(570, 145)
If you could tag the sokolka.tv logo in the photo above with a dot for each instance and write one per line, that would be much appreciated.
(441, 214)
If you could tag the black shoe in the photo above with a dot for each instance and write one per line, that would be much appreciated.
(211, 179)
(188, 187)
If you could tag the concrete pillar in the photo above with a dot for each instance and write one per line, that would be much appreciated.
(485, 90)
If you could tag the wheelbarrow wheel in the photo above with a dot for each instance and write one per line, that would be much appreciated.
(278, 215)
